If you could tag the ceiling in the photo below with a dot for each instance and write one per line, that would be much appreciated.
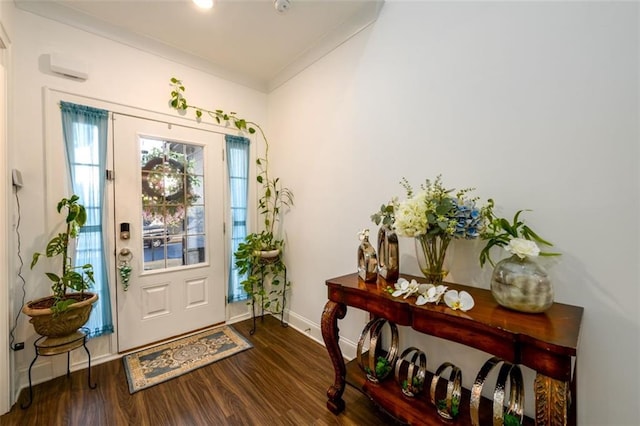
(246, 41)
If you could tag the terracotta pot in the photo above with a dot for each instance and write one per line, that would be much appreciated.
(63, 324)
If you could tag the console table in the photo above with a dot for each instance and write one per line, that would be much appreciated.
(546, 343)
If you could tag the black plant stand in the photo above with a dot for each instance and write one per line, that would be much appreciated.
(47, 346)
(284, 302)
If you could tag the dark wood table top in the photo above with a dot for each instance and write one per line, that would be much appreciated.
(545, 341)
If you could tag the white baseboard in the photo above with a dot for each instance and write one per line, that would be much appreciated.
(312, 330)
(238, 318)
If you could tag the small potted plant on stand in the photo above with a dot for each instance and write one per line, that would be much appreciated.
(63, 313)
(260, 256)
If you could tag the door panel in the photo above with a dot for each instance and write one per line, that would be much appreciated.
(168, 188)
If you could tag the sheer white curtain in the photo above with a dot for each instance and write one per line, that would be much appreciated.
(85, 135)
(238, 170)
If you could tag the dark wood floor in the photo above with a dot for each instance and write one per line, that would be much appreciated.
(281, 381)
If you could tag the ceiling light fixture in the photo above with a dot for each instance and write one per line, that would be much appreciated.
(204, 4)
(282, 5)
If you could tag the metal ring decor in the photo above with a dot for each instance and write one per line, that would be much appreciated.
(376, 366)
(168, 166)
(449, 407)
(516, 392)
(411, 372)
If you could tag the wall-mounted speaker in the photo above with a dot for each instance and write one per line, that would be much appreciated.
(69, 67)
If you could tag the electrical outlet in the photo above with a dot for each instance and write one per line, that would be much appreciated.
(18, 346)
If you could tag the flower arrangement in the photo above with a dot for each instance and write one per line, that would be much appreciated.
(515, 237)
(434, 211)
(433, 216)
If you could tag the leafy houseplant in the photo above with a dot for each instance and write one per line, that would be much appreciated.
(261, 253)
(515, 237)
(70, 303)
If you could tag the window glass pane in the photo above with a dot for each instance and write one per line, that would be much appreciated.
(194, 159)
(197, 189)
(172, 203)
(195, 220)
(195, 249)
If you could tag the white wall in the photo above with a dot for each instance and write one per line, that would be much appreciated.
(117, 74)
(535, 104)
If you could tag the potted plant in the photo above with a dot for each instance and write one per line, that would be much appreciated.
(518, 282)
(260, 255)
(68, 309)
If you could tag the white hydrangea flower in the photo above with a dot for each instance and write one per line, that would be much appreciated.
(462, 301)
(411, 216)
(522, 247)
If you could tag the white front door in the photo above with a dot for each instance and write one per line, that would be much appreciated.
(168, 192)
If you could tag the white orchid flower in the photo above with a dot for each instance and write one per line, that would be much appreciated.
(422, 288)
(431, 294)
(401, 287)
(462, 301)
(413, 288)
(440, 291)
(423, 298)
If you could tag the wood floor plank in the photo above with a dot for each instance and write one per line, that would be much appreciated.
(281, 381)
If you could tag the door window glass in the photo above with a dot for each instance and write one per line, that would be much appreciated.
(173, 203)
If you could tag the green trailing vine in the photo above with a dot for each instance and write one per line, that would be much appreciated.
(274, 198)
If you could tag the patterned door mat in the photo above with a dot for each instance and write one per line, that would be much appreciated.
(167, 361)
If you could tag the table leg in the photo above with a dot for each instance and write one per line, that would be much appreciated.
(553, 399)
(332, 313)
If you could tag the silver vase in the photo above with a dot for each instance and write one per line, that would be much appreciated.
(522, 285)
